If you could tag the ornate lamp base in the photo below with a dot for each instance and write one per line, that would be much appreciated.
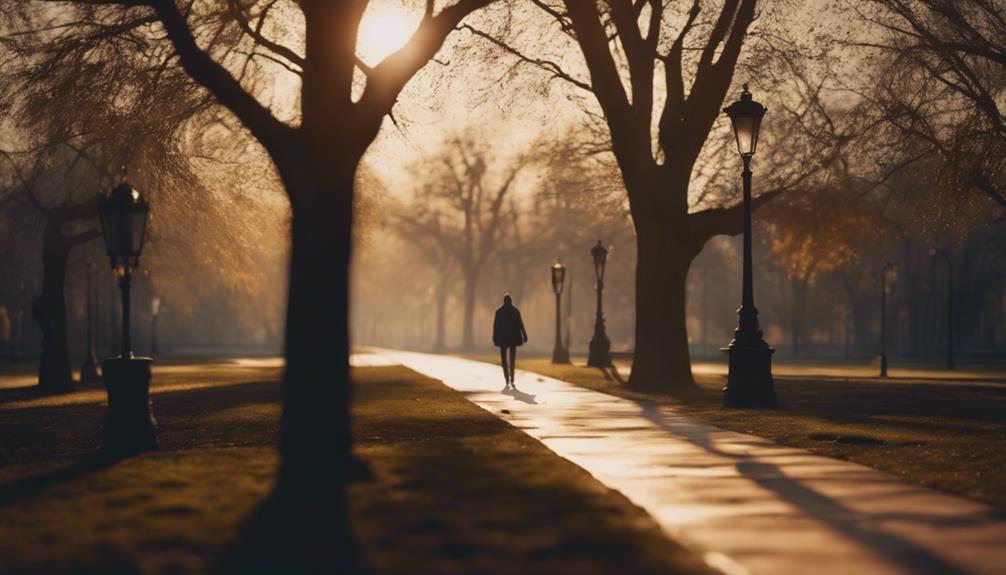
(749, 380)
(599, 351)
(129, 427)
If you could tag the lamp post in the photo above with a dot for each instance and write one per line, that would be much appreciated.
(89, 369)
(128, 426)
(155, 309)
(559, 352)
(888, 268)
(569, 316)
(749, 379)
(951, 363)
(600, 346)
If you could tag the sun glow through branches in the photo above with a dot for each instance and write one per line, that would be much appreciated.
(385, 28)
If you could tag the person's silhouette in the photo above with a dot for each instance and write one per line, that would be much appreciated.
(508, 333)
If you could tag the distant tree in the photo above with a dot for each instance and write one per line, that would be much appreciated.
(660, 75)
(460, 206)
(939, 70)
(184, 158)
(55, 373)
(815, 232)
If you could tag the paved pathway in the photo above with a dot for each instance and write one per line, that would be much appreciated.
(750, 505)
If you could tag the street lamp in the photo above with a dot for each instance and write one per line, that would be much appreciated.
(889, 268)
(155, 308)
(559, 352)
(951, 364)
(600, 346)
(749, 379)
(129, 426)
(89, 369)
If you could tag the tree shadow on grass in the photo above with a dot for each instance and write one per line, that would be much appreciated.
(26, 488)
(242, 414)
(294, 533)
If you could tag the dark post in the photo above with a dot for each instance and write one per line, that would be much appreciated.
(89, 369)
(599, 351)
(888, 267)
(559, 353)
(883, 323)
(125, 283)
(749, 379)
(951, 364)
(155, 312)
(569, 315)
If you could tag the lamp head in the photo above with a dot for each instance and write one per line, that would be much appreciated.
(600, 255)
(746, 115)
(558, 276)
(123, 213)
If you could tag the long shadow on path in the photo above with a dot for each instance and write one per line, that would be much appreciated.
(861, 528)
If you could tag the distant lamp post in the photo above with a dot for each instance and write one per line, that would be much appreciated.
(89, 369)
(600, 346)
(749, 379)
(155, 310)
(129, 426)
(559, 352)
(890, 269)
(951, 364)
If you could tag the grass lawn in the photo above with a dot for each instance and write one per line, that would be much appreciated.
(948, 436)
(455, 489)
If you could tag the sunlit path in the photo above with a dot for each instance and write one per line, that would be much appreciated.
(750, 505)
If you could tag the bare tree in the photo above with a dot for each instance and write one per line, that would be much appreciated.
(935, 92)
(55, 373)
(634, 54)
(341, 106)
(462, 209)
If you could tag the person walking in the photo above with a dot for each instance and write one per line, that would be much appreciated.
(508, 333)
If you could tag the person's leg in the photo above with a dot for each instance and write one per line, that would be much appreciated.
(513, 363)
(506, 371)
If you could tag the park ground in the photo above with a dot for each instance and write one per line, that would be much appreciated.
(454, 489)
(941, 429)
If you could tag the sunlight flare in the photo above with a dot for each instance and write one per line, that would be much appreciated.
(384, 29)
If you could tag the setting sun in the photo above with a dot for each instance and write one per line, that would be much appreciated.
(384, 29)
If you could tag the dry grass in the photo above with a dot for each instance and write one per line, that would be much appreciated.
(455, 489)
(948, 436)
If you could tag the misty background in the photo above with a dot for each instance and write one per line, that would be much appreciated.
(477, 194)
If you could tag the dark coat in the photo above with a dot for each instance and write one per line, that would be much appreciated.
(508, 327)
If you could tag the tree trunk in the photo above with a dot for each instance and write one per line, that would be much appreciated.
(661, 359)
(315, 433)
(794, 317)
(303, 526)
(471, 285)
(440, 343)
(55, 373)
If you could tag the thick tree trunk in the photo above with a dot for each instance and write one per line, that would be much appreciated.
(471, 286)
(55, 373)
(303, 526)
(661, 360)
(315, 432)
